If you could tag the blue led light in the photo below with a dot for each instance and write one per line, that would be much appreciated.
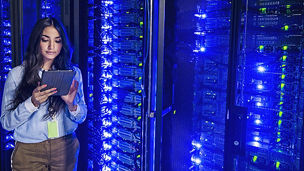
(6, 23)
(106, 157)
(106, 146)
(106, 39)
(106, 64)
(9, 137)
(196, 160)
(106, 51)
(7, 33)
(46, 7)
(106, 168)
(202, 49)
(258, 122)
(196, 144)
(106, 134)
(255, 144)
(106, 26)
(260, 86)
(261, 69)
(9, 146)
(259, 104)
(257, 138)
(202, 16)
(200, 33)
(106, 88)
(7, 42)
(107, 75)
(107, 3)
(106, 110)
(106, 122)
(104, 99)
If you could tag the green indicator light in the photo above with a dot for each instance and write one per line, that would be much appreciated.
(262, 26)
(281, 103)
(127, 12)
(285, 47)
(283, 76)
(263, 10)
(278, 164)
(140, 64)
(139, 118)
(261, 47)
(283, 66)
(139, 91)
(141, 8)
(141, 23)
(286, 27)
(279, 123)
(254, 158)
(139, 78)
(141, 37)
(139, 105)
(278, 139)
(280, 114)
(174, 112)
(91, 95)
(138, 156)
(284, 58)
(288, 6)
(279, 133)
(282, 86)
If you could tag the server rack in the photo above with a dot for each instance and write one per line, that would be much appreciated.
(115, 75)
(270, 84)
(245, 71)
(6, 139)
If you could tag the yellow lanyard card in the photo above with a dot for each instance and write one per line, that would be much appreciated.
(53, 129)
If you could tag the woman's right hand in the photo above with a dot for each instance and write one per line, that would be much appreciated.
(39, 97)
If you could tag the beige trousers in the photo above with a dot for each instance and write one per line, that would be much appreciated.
(58, 154)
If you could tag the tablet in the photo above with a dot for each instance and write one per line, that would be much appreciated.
(60, 79)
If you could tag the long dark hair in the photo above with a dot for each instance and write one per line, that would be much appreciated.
(33, 62)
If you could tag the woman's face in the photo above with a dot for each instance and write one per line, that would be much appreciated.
(50, 44)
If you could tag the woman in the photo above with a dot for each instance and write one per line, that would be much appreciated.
(43, 124)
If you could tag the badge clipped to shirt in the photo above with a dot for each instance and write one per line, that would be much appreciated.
(53, 129)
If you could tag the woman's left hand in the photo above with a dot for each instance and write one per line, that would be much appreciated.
(69, 98)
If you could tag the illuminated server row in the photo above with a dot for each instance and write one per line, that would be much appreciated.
(210, 84)
(271, 84)
(115, 84)
(7, 141)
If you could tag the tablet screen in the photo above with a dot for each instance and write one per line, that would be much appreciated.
(60, 79)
